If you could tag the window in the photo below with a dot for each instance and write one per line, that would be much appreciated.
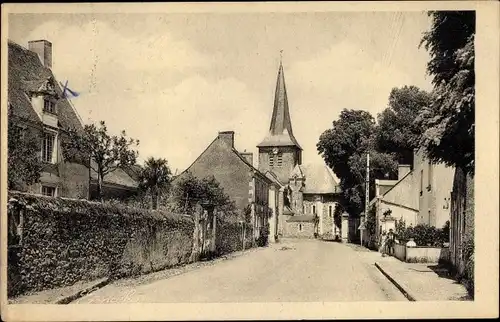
(429, 177)
(300, 227)
(304, 209)
(314, 210)
(330, 211)
(271, 159)
(48, 191)
(49, 106)
(280, 159)
(48, 147)
(421, 181)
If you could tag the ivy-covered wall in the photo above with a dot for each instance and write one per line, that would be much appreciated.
(56, 242)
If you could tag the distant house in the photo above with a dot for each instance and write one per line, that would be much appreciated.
(307, 193)
(36, 104)
(421, 195)
(243, 183)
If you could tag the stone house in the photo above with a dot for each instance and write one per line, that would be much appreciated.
(36, 104)
(234, 171)
(421, 195)
(307, 194)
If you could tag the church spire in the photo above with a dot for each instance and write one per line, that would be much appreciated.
(280, 129)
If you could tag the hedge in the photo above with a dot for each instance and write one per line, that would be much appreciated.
(65, 241)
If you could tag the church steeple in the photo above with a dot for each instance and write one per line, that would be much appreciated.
(280, 129)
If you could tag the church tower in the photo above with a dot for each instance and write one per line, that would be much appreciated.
(280, 152)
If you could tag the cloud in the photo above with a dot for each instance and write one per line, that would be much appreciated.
(80, 47)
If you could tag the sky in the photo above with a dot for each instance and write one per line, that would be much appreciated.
(174, 81)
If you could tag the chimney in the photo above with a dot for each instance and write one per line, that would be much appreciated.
(248, 156)
(403, 169)
(228, 137)
(43, 49)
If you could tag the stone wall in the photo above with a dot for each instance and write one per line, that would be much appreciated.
(299, 229)
(56, 242)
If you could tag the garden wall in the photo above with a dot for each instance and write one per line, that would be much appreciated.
(421, 254)
(56, 242)
(230, 236)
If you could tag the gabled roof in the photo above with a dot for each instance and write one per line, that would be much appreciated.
(302, 218)
(297, 172)
(233, 150)
(318, 180)
(117, 177)
(27, 74)
(280, 130)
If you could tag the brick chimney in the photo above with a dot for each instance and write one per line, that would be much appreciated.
(228, 137)
(43, 49)
(403, 169)
(248, 156)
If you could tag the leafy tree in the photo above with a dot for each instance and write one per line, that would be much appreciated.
(397, 131)
(107, 152)
(344, 148)
(449, 121)
(24, 164)
(155, 179)
(190, 191)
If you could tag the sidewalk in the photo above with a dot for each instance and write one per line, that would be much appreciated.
(422, 281)
(68, 294)
(417, 281)
(60, 295)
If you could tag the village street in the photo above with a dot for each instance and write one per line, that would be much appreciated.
(293, 270)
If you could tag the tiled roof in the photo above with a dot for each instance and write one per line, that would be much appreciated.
(26, 73)
(318, 179)
(303, 218)
(118, 177)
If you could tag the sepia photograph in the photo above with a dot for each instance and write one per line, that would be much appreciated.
(239, 156)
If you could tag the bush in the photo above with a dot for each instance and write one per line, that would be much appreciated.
(423, 235)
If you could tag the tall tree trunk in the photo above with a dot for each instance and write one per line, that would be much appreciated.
(99, 184)
(154, 198)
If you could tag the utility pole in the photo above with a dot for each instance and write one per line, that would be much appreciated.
(367, 184)
(367, 195)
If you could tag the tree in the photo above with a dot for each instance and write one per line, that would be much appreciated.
(448, 122)
(107, 152)
(190, 191)
(155, 178)
(397, 131)
(24, 162)
(344, 148)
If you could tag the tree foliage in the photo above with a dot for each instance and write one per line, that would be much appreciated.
(24, 162)
(448, 122)
(344, 148)
(155, 179)
(397, 131)
(107, 152)
(190, 191)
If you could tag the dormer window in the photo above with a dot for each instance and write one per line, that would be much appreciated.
(49, 106)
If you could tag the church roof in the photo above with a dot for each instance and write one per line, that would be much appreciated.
(318, 179)
(280, 130)
(301, 218)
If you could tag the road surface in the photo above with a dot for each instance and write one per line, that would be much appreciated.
(293, 270)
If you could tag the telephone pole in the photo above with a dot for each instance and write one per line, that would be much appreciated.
(367, 184)
(367, 196)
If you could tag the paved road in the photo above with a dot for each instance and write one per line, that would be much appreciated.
(294, 270)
